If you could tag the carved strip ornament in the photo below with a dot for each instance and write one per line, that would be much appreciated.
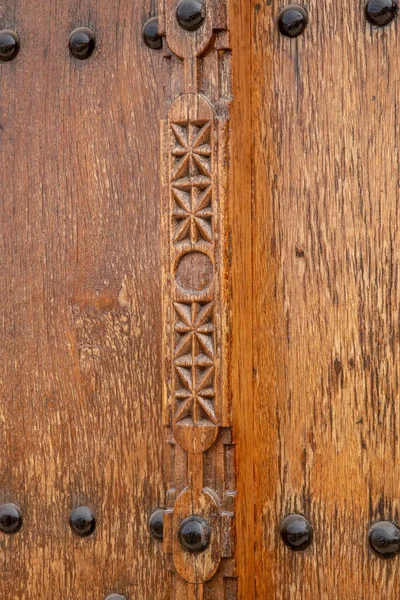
(196, 302)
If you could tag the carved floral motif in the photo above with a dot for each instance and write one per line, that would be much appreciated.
(191, 181)
(194, 356)
(195, 353)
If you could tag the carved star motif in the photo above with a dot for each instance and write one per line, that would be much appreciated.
(194, 362)
(192, 214)
(192, 152)
(192, 181)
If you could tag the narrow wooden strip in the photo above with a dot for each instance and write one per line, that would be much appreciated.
(240, 219)
(224, 274)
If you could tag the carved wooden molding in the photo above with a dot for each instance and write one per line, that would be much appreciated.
(196, 292)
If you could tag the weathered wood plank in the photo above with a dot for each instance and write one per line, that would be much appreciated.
(80, 289)
(325, 298)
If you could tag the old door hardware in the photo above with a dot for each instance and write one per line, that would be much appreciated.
(9, 45)
(384, 539)
(194, 534)
(190, 14)
(198, 521)
(296, 532)
(151, 37)
(10, 518)
(381, 12)
(82, 43)
(292, 20)
(156, 524)
(82, 521)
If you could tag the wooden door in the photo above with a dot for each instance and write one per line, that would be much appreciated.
(114, 303)
(199, 252)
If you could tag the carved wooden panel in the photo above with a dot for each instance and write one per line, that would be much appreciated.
(195, 152)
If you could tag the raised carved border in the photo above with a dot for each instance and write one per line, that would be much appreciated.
(196, 302)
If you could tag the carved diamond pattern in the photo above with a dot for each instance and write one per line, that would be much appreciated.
(191, 180)
(194, 357)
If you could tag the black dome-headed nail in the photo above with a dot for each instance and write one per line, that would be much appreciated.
(81, 43)
(156, 524)
(194, 534)
(151, 37)
(190, 14)
(9, 45)
(384, 539)
(292, 20)
(381, 12)
(10, 518)
(296, 532)
(82, 521)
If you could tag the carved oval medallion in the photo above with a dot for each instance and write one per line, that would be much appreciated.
(194, 272)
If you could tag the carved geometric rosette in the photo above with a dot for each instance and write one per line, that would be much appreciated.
(194, 154)
(194, 275)
(192, 308)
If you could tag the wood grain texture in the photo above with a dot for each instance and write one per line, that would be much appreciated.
(312, 148)
(241, 261)
(325, 298)
(80, 289)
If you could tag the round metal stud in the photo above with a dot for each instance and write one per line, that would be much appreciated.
(9, 45)
(81, 43)
(296, 532)
(82, 521)
(156, 524)
(115, 597)
(384, 539)
(194, 534)
(292, 20)
(381, 12)
(190, 14)
(10, 518)
(150, 34)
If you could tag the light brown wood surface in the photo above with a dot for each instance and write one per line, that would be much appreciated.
(325, 299)
(241, 242)
(80, 289)
(303, 275)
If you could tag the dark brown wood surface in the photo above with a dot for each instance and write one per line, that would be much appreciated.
(325, 299)
(80, 298)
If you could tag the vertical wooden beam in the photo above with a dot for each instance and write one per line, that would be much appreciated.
(196, 299)
(242, 276)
